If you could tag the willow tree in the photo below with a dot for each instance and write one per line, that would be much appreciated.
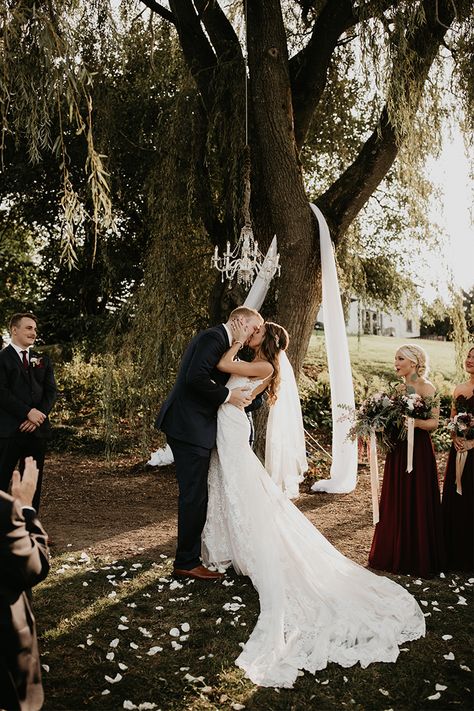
(294, 50)
(337, 91)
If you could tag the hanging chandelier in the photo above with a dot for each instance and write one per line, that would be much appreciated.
(245, 261)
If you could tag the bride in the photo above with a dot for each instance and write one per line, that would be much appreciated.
(316, 606)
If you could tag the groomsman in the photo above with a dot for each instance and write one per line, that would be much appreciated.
(27, 394)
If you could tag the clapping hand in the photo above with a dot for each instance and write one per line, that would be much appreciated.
(24, 488)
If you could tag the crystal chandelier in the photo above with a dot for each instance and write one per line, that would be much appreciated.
(245, 261)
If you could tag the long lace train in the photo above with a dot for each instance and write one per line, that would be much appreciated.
(316, 606)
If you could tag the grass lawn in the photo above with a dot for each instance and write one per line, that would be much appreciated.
(375, 354)
(122, 634)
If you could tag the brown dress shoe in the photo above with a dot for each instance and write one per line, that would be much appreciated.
(199, 572)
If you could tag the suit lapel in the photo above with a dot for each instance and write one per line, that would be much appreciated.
(16, 359)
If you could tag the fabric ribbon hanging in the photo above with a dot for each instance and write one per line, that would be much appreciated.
(460, 462)
(374, 477)
(410, 443)
(344, 463)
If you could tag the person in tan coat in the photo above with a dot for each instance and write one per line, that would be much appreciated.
(24, 562)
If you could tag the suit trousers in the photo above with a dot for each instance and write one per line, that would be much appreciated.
(192, 466)
(13, 451)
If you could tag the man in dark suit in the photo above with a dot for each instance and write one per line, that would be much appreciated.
(188, 417)
(24, 562)
(27, 394)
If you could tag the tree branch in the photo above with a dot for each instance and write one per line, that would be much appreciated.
(349, 193)
(221, 33)
(160, 10)
(197, 50)
(309, 68)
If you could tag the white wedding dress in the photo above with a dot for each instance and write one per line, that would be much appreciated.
(316, 606)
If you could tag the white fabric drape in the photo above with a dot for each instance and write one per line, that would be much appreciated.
(258, 291)
(344, 452)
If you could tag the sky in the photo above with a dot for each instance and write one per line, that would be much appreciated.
(454, 213)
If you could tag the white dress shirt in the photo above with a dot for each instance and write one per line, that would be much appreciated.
(20, 350)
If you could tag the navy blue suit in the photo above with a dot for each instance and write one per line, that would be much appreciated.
(22, 389)
(188, 417)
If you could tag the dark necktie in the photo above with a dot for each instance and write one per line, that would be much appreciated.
(24, 358)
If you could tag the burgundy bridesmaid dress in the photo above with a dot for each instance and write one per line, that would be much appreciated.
(409, 536)
(458, 509)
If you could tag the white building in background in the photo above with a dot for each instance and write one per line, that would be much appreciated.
(370, 320)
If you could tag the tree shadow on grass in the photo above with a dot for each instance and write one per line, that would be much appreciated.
(78, 626)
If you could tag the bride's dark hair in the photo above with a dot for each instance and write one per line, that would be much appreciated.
(276, 339)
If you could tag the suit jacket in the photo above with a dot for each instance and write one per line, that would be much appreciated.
(24, 562)
(22, 389)
(189, 413)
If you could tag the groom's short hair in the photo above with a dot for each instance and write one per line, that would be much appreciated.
(16, 319)
(245, 311)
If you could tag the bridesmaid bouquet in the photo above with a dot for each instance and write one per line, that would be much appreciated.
(461, 425)
(410, 404)
(372, 416)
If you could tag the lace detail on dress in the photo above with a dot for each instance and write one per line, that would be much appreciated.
(316, 606)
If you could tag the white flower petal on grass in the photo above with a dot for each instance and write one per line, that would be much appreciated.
(219, 620)
(110, 656)
(446, 637)
(146, 706)
(238, 707)
(122, 627)
(131, 604)
(423, 602)
(133, 645)
(184, 638)
(174, 632)
(129, 705)
(462, 600)
(442, 575)
(174, 585)
(427, 614)
(154, 650)
(122, 667)
(82, 646)
(440, 687)
(384, 692)
(436, 609)
(137, 565)
(112, 594)
(176, 646)
(89, 642)
(449, 656)
(45, 667)
(185, 627)
(206, 690)
(464, 667)
(124, 619)
(145, 632)
(114, 642)
(434, 697)
(105, 692)
(85, 584)
(118, 677)
(418, 582)
(323, 683)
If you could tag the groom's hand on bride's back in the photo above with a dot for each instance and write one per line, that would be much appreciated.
(240, 397)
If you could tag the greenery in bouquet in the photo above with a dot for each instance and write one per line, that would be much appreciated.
(462, 425)
(373, 415)
(405, 404)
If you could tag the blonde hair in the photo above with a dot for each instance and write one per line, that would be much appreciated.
(245, 311)
(417, 355)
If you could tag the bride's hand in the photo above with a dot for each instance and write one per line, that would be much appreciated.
(240, 331)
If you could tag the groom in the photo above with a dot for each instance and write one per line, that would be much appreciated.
(188, 417)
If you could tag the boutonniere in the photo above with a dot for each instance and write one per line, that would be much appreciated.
(36, 362)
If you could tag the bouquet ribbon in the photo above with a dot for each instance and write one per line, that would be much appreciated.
(460, 462)
(410, 440)
(374, 477)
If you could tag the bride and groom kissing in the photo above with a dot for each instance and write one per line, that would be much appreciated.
(316, 606)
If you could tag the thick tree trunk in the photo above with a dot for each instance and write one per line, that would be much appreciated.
(280, 204)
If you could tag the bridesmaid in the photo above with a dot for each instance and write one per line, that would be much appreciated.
(409, 535)
(458, 508)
